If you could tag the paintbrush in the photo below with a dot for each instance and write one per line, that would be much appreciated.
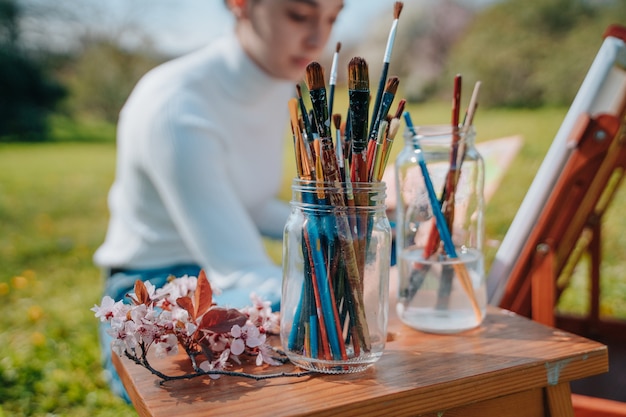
(447, 195)
(339, 146)
(442, 226)
(304, 112)
(400, 109)
(451, 180)
(347, 137)
(297, 136)
(468, 120)
(333, 78)
(390, 92)
(397, 9)
(359, 94)
(304, 160)
(317, 91)
(308, 133)
(448, 198)
(377, 152)
(394, 126)
(391, 87)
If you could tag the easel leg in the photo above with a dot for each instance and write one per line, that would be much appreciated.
(543, 286)
(595, 255)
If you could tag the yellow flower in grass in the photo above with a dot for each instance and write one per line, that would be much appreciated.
(19, 282)
(4, 290)
(35, 313)
(29, 273)
(37, 339)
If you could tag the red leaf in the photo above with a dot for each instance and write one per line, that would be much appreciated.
(187, 304)
(221, 320)
(141, 293)
(203, 297)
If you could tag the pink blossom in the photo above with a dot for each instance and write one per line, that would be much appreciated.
(167, 345)
(260, 314)
(108, 308)
(248, 335)
(237, 347)
(180, 287)
(218, 341)
(138, 312)
(147, 332)
(219, 364)
(150, 288)
(124, 335)
(265, 355)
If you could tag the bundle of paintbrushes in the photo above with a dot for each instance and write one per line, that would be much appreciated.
(442, 241)
(343, 232)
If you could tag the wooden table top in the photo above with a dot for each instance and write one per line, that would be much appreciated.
(418, 373)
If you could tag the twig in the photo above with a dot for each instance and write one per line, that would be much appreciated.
(143, 361)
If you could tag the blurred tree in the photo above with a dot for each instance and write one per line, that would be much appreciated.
(531, 53)
(426, 38)
(98, 56)
(427, 31)
(28, 93)
(101, 76)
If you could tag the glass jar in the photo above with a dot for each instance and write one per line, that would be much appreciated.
(336, 260)
(442, 287)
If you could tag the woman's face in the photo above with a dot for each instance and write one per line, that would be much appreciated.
(284, 36)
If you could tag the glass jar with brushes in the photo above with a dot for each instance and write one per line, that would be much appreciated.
(439, 178)
(336, 260)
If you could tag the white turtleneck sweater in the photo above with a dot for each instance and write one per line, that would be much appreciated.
(199, 162)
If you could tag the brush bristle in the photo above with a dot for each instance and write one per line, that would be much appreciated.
(397, 9)
(299, 90)
(394, 125)
(392, 85)
(315, 76)
(337, 120)
(338, 47)
(358, 74)
(400, 110)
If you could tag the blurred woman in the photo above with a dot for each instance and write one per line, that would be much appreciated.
(199, 158)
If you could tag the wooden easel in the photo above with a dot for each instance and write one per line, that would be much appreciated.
(570, 222)
(570, 225)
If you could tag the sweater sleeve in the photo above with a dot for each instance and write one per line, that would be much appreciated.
(185, 160)
(271, 218)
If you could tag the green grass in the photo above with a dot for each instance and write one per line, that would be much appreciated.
(53, 216)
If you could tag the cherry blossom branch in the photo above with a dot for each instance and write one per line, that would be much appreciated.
(182, 314)
(143, 361)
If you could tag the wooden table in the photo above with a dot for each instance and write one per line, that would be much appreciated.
(509, 366)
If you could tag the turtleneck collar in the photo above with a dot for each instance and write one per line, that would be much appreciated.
(247, 78)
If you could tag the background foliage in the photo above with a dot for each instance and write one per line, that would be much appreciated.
(28, 92)
(533, 52)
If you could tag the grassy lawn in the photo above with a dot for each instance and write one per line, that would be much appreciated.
(53, 216)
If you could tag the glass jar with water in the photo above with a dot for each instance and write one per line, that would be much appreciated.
(442, 285)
